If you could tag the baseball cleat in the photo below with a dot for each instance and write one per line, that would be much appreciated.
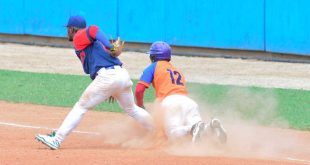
(219, 130)
(197, 130)
(49, 140)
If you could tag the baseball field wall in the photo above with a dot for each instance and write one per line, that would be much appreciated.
(280, 26)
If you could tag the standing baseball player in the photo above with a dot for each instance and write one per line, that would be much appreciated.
(181, 114)
(110, 79)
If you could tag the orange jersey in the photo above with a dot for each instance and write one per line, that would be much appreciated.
(166, 79)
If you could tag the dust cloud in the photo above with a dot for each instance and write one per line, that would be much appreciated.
(261, 133)
(129, 134)
(254, 128)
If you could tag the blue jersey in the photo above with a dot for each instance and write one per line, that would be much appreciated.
(92, 50)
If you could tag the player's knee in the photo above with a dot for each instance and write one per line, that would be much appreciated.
(130, 111)
(87, 104)
(134, 111)
(174, 133)
(79, 107)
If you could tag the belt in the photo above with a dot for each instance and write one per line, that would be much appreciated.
(108, 68)
(113, 67)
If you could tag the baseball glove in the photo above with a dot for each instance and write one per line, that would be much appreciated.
(117, 47)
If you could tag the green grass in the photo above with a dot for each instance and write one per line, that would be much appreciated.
(49, 89)
(264, 105)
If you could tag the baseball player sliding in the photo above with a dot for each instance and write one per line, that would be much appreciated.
(110, 79)
(181, 114)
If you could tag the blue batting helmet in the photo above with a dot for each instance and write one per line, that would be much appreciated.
(160, 51)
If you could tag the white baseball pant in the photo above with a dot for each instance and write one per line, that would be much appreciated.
(109, 82)
(180, 114)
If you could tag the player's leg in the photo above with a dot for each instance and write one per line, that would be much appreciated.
(193, 118)
(125, 99)
(98, 91)
(182, 117)
(174, 125)
(191, 110)
(214, 127)
(174, 118)
(73, 118)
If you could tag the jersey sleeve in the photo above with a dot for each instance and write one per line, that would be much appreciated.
(148, 75)
(93, 31)
(97, 34)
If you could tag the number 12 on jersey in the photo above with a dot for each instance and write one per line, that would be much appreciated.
(177, 75)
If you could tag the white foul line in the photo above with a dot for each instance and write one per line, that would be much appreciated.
(46, 128)
(300, 160)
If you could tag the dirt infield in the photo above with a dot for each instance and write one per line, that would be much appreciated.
(114, 138)
(107, 141)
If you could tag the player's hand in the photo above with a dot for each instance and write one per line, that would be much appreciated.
(117, 47)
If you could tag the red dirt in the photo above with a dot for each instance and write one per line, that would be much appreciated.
(118, 143)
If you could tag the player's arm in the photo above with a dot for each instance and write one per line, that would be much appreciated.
(115, 48)
(145, 80)
(140, 88)
(103, 39)
(97, 34)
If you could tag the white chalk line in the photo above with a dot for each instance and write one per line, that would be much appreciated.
(299, 160)
(46, 128)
